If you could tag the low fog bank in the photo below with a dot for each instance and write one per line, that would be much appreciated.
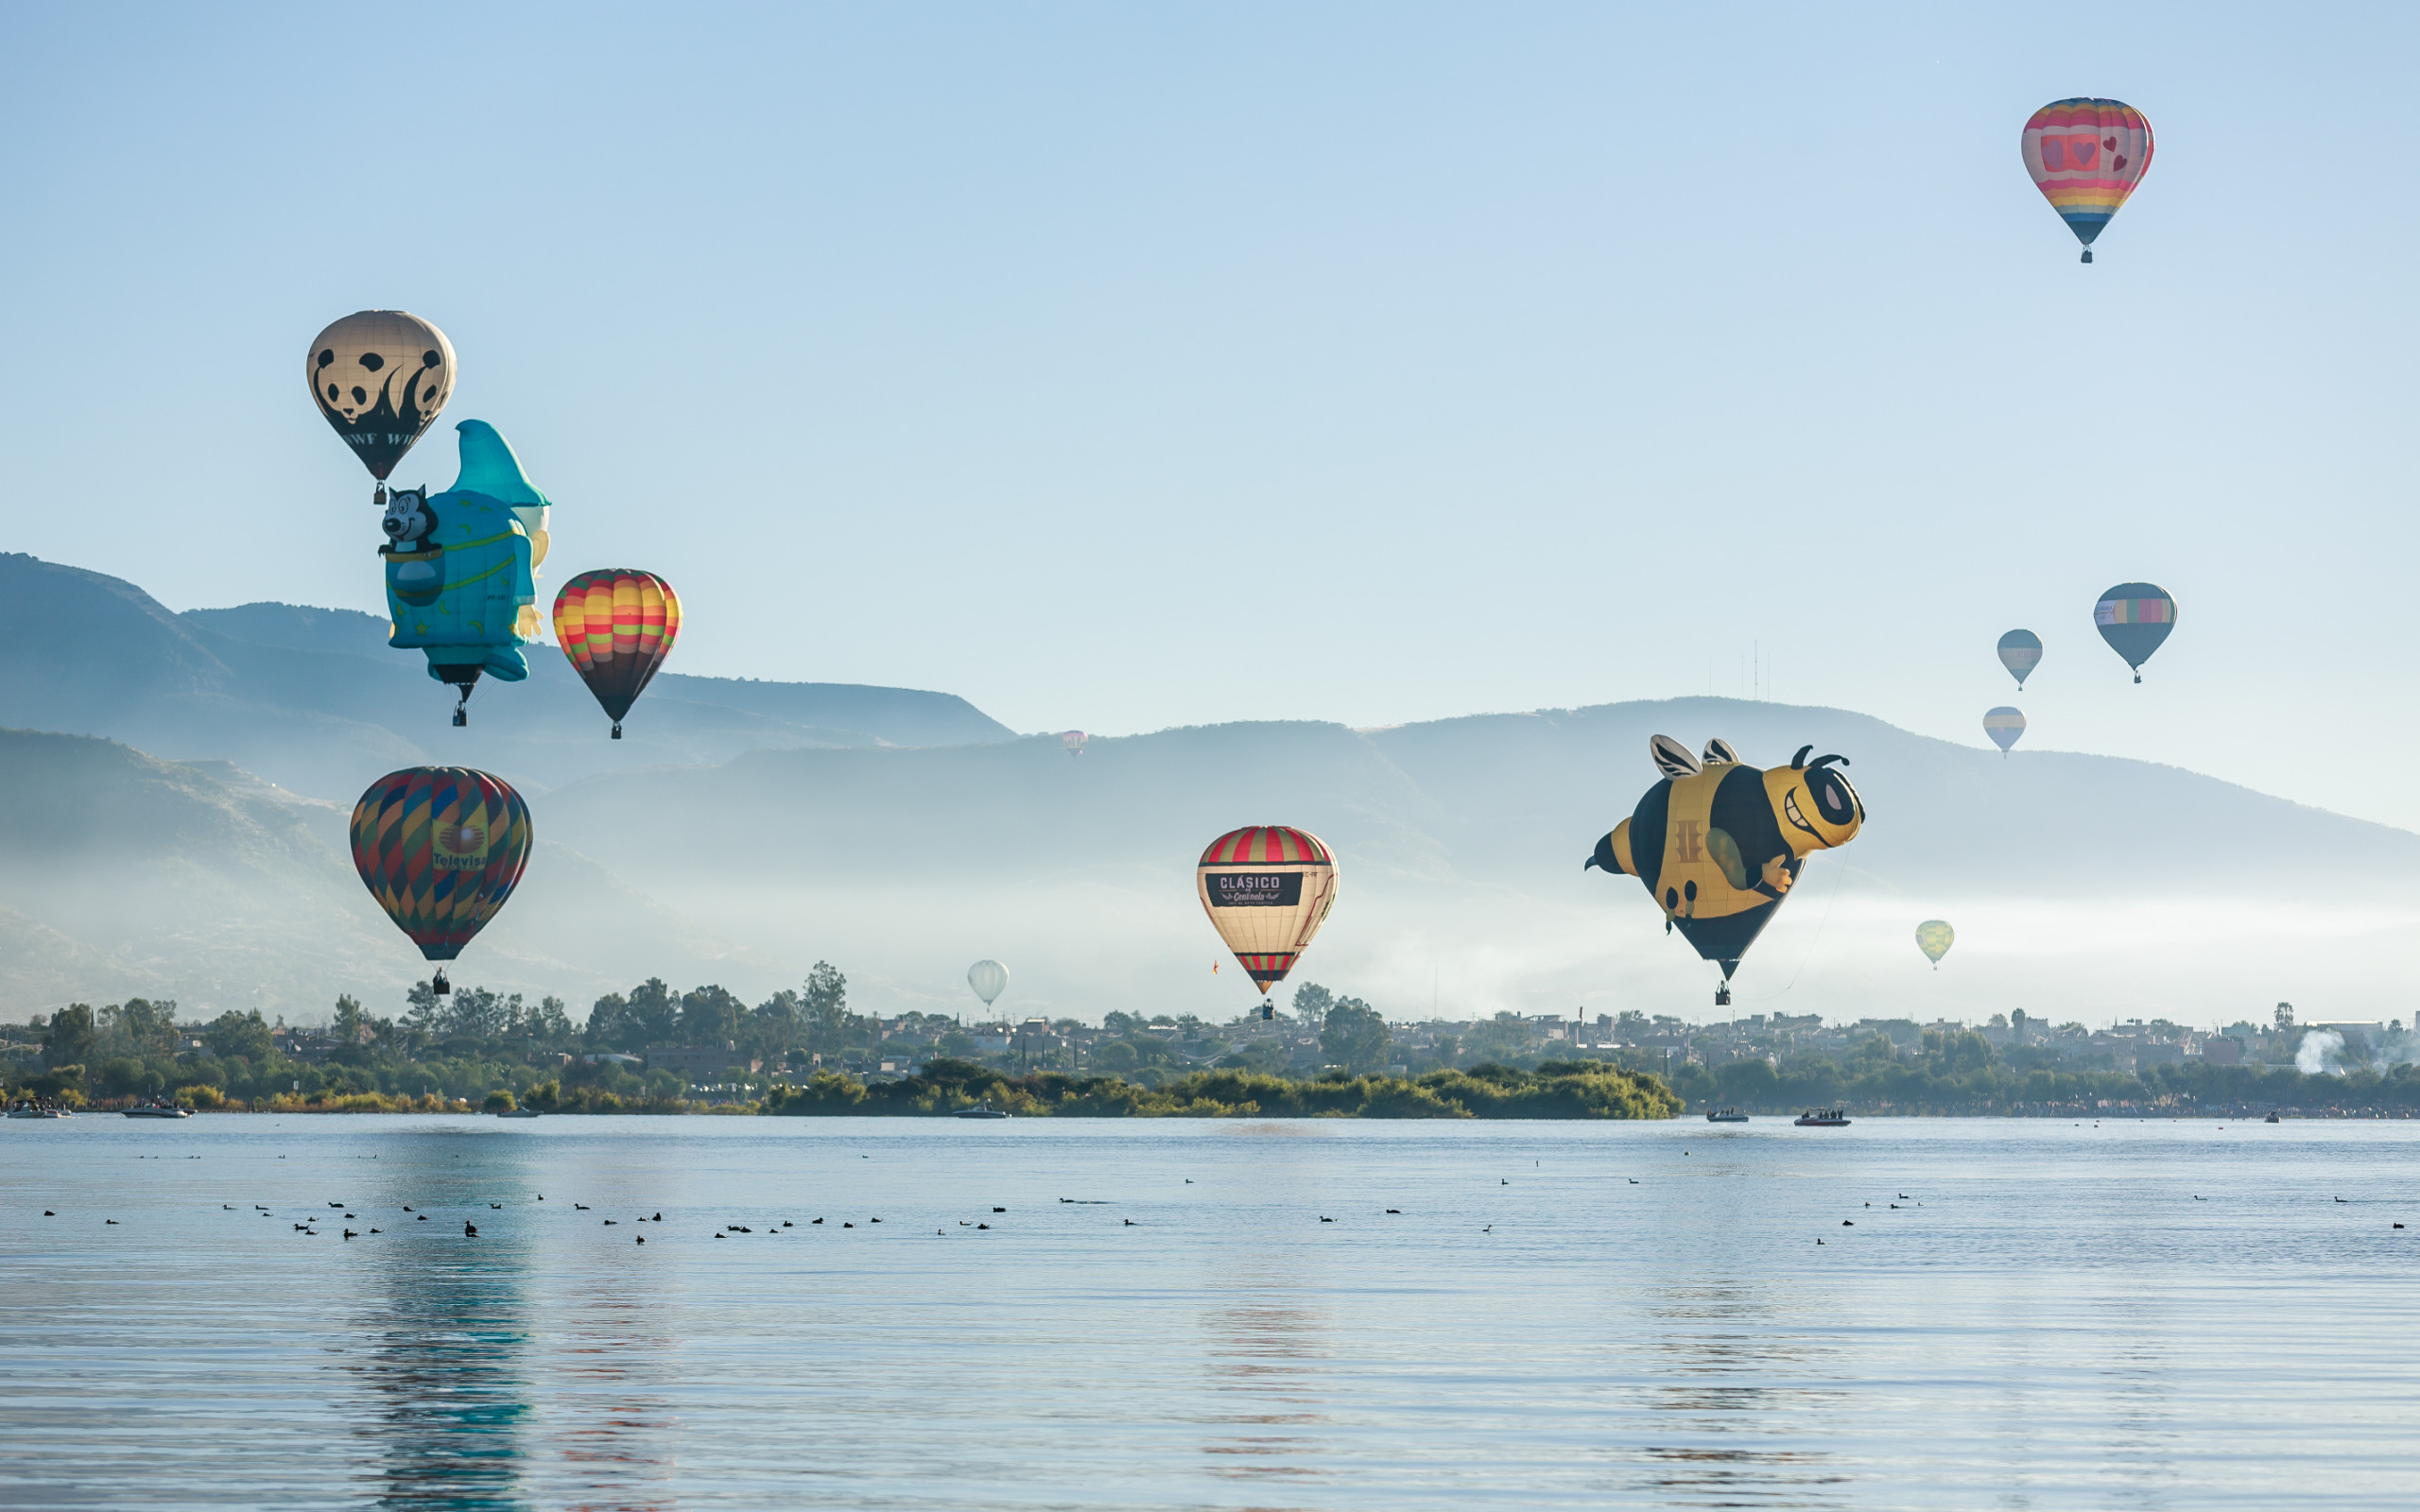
(1079, 946)
(2082, 888)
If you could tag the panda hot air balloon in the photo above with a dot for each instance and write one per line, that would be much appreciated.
(616, 625)
(379, 378)
(1267, 889)
(1719, 843)
(440, 847)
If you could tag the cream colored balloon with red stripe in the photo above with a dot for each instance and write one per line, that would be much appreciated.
(1267, 889)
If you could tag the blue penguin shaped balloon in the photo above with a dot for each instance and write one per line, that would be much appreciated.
(459, 566)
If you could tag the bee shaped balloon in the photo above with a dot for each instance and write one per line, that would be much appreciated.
(1720, 843)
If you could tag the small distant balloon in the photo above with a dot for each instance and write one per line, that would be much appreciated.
(2086, 156)
(2134, 618)
(2020, 652)
(1074, 740)
(988, 979)
(379, 378)
(1933, 937)
(2004, 725)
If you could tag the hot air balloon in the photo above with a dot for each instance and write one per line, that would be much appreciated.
(2086, 156)
(1720, 843)
(1267, 889)
(2004, 725)
(1074, 740)
(2020, 652)
(460, 567)
(988, 979)
(1933, 937)
(440, 847)
(616, 625)
(2134, 618)
(379, 378)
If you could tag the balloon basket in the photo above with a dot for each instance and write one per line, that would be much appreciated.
(617, 731)
(438, 985)
(2087, 254)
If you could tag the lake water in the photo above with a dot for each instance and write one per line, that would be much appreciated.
(2129, 1315)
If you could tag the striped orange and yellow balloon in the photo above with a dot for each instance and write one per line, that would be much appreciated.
(616, 625)
(440, 847)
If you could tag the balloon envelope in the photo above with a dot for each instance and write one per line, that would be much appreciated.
(988, 979)
(616, 625)
(1933, 937)
(2004, 725)
(440, 847)
(379, 378)
(2020, 652)
(1719, 844)
(2086, 156)
(2134, 618)
(1267, 889)
(1074, 740)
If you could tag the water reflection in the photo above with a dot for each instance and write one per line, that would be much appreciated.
(1265, 1368)
(440, 1376)
(610, 1428)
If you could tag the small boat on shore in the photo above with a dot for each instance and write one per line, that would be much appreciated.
(1726, 1115)
(1822, 1118)
(982, 1110)
(155, 1110)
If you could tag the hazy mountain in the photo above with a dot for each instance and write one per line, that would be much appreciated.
(124, 874)
(754, 827)
(313, 699)
(2080, 885)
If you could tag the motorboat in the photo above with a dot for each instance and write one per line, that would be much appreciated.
(157, 1110)
(982, 1110)
(518, 1112)
(1726, 1115)
(37, 1111)
(2271, 1119)
(1822, 1118)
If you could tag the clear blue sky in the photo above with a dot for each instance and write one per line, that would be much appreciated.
(1124, 366)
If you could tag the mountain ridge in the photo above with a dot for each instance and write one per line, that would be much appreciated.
(293, 693)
